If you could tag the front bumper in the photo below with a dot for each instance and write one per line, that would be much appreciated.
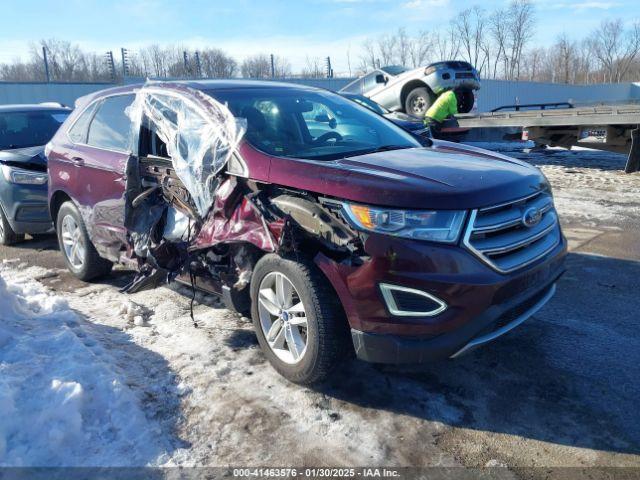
(25, 207)
(480, 301)
(492, 324)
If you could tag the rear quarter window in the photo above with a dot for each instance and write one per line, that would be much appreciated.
(111, 127)
(80, 128)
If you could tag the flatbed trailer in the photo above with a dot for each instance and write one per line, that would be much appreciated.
(615, 128)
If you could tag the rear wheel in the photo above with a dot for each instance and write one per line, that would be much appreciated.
(79, 254)
(418, 102)
(467, 100)
(298, 319)
(7, 235)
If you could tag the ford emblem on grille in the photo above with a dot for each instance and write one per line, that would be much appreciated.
(531, 217)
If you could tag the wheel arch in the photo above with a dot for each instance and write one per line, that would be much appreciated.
(55, 202)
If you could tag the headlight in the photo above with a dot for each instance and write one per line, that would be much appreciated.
(433, 225)
(22, 176)
(429, 70)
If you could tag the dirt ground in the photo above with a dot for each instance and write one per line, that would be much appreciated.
(560, 390)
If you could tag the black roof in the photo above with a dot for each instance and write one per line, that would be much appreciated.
(230, 84)
(36, 107)
(240, 83)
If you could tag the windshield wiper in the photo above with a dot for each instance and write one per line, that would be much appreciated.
(382, 148)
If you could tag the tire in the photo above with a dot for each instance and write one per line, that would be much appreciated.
(467, 99)
(86, 264)
(7, 234)
(326, 332)
(418, 102)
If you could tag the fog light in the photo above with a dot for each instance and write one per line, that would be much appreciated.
(409, 302)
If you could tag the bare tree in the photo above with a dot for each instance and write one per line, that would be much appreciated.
(420, 48)
(470, 25)
(387, 49)
(615, 48)
(498, 33)
(215, 63)
(368, 58)
(313, 68)
(259, 66)
(256, 66)
(403, 47)
(446, 43)
(520, 30)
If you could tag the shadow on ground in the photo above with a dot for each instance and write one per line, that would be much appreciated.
(595, 159)
(568, 376)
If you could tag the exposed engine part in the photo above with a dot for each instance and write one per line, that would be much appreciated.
(315, 220)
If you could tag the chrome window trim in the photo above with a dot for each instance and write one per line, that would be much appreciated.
(387, 288)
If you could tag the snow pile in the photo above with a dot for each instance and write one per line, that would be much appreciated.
(62, 400)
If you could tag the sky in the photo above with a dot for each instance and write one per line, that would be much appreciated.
(295, 29)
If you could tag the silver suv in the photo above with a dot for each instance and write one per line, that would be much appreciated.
(413, 91)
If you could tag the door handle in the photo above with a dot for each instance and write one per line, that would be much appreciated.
(77, 161)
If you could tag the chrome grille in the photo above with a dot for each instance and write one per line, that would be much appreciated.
(499, 236)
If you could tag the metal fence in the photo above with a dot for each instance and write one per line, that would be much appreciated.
(65, 93)
(494, 93)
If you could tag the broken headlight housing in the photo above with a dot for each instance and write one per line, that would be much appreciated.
(433, 225)
(22, 176)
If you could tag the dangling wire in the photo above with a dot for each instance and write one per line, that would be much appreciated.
(192, 278)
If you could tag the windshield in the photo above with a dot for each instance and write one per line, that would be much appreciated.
(311, 124)
(29, 129)
(394, 69)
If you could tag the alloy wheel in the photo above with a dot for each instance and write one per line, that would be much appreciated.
(418, 105)
(72, 242)
(283, 318)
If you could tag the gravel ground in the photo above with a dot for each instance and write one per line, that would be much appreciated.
(561, 390)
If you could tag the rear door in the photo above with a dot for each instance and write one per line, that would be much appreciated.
(102, 161)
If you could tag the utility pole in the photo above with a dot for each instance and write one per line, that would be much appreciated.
(125, 63)
(329, 69)
(46, 64)
(273, 67)
(186, 63)
(198, 66)
(111, 66)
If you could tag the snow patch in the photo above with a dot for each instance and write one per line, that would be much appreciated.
(62, 399)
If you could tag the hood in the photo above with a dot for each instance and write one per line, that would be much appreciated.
(444, 176)
(27, 156)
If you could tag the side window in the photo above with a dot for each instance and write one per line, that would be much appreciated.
(110, 127)
(79, 130)
(370, 81)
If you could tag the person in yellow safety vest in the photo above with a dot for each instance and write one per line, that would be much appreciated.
(445, 106)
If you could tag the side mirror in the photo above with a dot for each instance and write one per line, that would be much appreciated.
(381, 79)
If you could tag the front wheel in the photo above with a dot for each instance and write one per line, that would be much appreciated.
(418, 102)
(298, 319)
(79, 254)
(7, 234)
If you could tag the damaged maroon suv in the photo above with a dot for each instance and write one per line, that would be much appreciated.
(330, 226)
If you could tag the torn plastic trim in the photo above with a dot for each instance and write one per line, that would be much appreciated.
(201, 134)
